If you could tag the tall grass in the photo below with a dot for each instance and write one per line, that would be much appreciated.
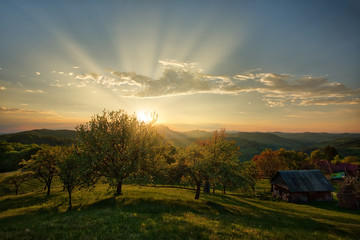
(144, 212)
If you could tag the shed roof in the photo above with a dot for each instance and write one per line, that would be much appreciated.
(303, 181)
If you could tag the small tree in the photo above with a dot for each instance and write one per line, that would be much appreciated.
(222, 166)
(330, 152)
(44, 164)
(117, 145)
(17, 179)
(192, 161)
(250, 173)
(317, 155)
(268, 163)
(293, 160)
(71, 171)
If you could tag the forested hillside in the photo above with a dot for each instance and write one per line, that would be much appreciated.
(41, 136)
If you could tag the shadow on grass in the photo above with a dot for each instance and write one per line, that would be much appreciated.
(26, 200)
(213, 216)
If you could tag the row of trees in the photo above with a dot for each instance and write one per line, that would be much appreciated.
(269, 161)
(116, 146)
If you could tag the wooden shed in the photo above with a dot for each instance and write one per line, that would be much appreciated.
(301, 186)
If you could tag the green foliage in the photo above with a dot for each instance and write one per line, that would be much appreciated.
(330, 152)
(317, 155)
(269, 161)
(193, 161)
(294, 160)
(250, 174)
(11, 154)
(71, 170)
(45, 164)
(352, 159)
(118, 146)
(212, 161)
(17, 179)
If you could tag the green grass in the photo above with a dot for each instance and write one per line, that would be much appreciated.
(168, 213)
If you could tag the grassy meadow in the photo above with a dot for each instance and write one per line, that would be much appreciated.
(149, 212)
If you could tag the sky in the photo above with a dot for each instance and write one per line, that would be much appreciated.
(242, 65)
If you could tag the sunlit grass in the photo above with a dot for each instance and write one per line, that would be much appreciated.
(145, 212)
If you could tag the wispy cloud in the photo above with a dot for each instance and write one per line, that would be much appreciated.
(330, 101)
(2, 88)
(57, 83)
(37, 73)
(34, 91)
(12, 119)
(15, 110)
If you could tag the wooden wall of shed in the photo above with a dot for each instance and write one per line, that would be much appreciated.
(310, 196)
(284, 194)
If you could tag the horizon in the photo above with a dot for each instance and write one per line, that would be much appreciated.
(192, 130)
(246, 66)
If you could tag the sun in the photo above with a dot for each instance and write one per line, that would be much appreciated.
(145, 117)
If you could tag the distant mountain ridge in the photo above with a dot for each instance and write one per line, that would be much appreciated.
(250, 143)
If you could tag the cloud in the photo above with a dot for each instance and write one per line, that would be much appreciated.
(2, 88)
(330, 101)
(57, 84)
(34, 91)
(178, 78)
(14, 110)
(75, 67)
(37, 73)
(18, 119)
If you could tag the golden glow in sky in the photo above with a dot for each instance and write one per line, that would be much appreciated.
(238, 65)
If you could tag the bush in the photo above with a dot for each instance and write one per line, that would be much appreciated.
(350, 185)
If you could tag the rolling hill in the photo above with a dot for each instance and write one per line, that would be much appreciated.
(42, 136)
(250, 143)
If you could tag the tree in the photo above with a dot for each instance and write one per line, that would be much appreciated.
(250, 173)
(117, 145)
(222, 166)
(71, 170)
(17, 179)
(330, 152)
(44, 164)
(317, 155)
(211, 161)
(268, 163)
(193, 161)
(293, 160)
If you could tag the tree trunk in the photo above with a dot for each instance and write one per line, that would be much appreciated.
(118, 188)
(70, 206)
(224, 189)
(48, 189)
(206, 187)
(16, 190)
(198, 189)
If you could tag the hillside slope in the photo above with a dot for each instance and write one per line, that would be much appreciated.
(145, 212)
(42, 136)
